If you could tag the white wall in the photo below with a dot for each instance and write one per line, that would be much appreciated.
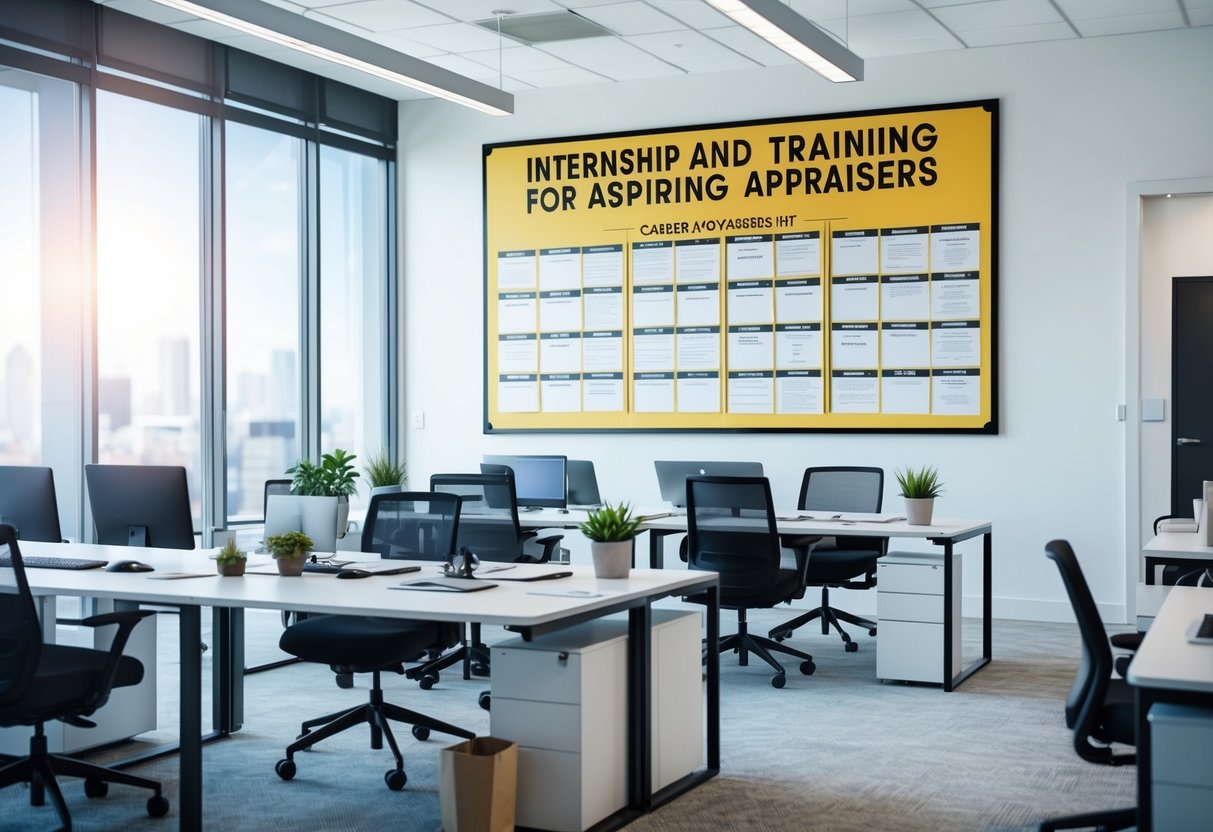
(1080, 120)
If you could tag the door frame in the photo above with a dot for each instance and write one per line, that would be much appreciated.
(1137, 192)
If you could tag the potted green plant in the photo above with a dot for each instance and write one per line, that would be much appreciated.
(919, 487)
(333, 477)
(231, 560)
(612, 531)
(384, 474)
(290, 550)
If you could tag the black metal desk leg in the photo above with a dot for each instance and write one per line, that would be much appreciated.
(987, 605)
(948, 578)
(191, 719)
(640, 712)
(713, 657)
(227, 683)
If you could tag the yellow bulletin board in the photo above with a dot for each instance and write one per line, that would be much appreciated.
(819, 273)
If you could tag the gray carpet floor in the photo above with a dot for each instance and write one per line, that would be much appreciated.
(834, 751)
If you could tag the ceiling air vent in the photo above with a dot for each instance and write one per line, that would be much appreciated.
(546, 27)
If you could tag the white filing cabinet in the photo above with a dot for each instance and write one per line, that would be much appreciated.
(130, 710)
(563, 699)
(909, 605)
(1181, 749)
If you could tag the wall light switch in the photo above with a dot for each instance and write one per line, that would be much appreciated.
(1152, 410)
(418, 420)
(1120, 412)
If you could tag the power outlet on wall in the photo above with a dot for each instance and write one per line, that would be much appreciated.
(418, 420)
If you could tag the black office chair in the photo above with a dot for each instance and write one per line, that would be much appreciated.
(847, 563)
(28, 504)
(490, 529)
(358, 644)
(40, 682)
(731, 530)
(1099, 708)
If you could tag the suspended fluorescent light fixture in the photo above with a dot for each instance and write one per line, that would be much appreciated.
(309, 37)
(782, 27)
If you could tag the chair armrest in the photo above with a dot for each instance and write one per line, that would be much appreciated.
(549, 545)
(126, 621)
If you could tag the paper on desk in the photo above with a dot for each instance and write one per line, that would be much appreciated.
(444, 584)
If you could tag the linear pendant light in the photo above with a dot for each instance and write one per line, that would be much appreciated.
(294, 31)
(782, 27)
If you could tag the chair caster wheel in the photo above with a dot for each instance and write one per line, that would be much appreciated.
(345, 681)
(285, 769)
(480, 669)
(808, 668)
(421, 732)
(780, 639)
(485, 700)
(157, 806)
(779, 680)
(94, 787)
(851, 647)
(428, 681)
(872, 632)
(395, 779)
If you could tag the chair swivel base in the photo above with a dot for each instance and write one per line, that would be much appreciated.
(377, 714)
(40, 770)
(830, 617)
(475, 658)
(744, 643)
(1106, 821)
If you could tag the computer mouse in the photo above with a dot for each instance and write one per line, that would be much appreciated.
(129, 566)
(353, 573)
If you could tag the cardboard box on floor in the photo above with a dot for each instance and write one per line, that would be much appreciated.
(477, 785)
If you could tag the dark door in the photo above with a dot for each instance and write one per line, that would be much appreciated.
(1191, 390)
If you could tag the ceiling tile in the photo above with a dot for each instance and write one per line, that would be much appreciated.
(1091, 9)
(817, 10)
(696, 14)
(632, 18)
(483, 9)
(1201, 17)
(613, 58)
(1127, 24)
(899, 33)
(453, 37)
(996, 14)
(742, 40)
(461, 65)
(517, 59)
(568, 77)
(692, 51)
(381, 15)
(1019, 34)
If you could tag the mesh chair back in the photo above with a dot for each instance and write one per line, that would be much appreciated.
(488, 513)
(1095, 668)
(412, 525)
(20, 632)
(731, 530)
(845, 489)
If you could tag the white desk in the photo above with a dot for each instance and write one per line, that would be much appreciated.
(1176, 548)
(508, 605)
(1167, 668)
(945, 533)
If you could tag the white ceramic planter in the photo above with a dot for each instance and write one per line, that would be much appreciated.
(612, 559)
(918, 511)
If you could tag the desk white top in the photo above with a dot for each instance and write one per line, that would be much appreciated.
(508, 603)
(848, 524)
(1166, 659)
(1179, 545)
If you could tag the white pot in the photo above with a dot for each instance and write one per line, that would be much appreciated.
(386, 489)
(343, 516)
(612, 559)
(918, 511)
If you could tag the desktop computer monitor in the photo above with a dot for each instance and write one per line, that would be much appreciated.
(539, 481)
(141, 505)
(27, 502)
(672, 475)
(583, 484)
(314, 516)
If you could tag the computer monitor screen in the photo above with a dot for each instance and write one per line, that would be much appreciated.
(314, 516)
(672, 475)
(539, 481)
(140, 505)
(27, 502)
